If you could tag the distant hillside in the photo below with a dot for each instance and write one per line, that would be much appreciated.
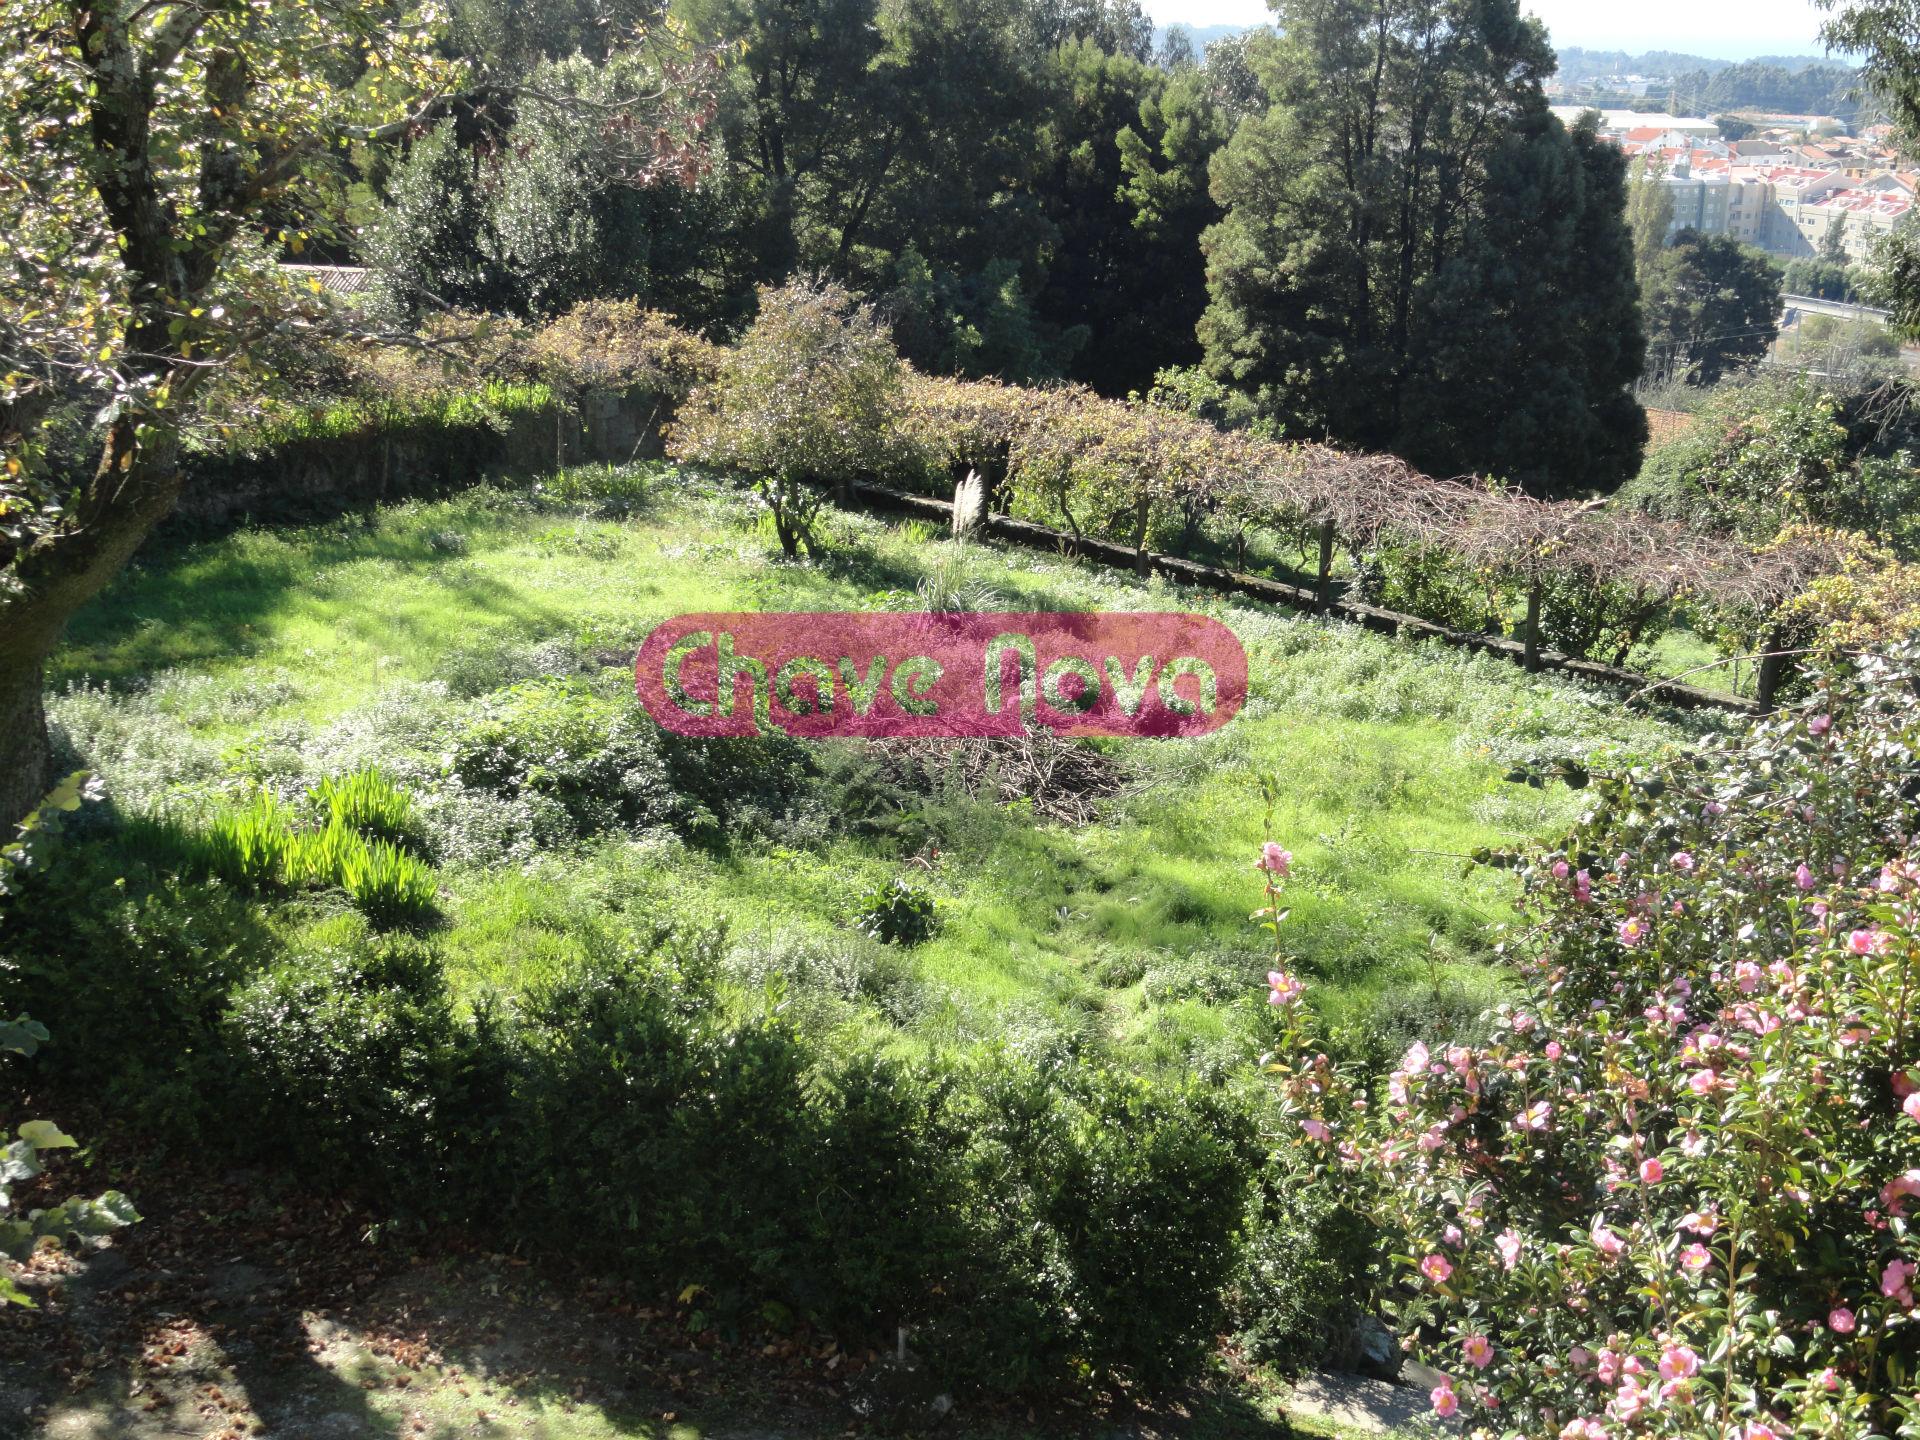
(1577, 65)
(1201, 36)
(1820, 89)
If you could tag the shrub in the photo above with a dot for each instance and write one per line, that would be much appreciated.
(122, 937)
(807, 397)
(896, 913)
(616, 345)
(337, 1063)
(590, 754)
(1671, 1193)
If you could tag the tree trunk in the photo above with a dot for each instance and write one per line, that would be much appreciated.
(26, 768)
(133, 489)
(1773, 669)
(1532, 642)
(1324, 591)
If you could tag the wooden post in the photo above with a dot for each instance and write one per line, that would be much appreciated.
(1324, 590)
(1532, 637)
(1773, 669)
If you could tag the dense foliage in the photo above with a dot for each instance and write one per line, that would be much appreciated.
(1668, 1191)
(1416, 256)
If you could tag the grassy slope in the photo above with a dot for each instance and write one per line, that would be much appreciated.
(262, 646)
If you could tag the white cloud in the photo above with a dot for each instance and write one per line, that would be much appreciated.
(1732, 29)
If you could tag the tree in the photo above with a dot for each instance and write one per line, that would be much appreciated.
(134, 273)
(1713, 307)
(1886, 35)
(1649, 212)
(1733, 129)
(1360, 219)
(1124, 186)
(1530, 343)
(1833, 245)
(807, 396)
(1820, 279)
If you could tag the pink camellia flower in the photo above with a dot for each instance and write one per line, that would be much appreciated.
(1702, 1082)
(1436, 1268)
(1698, 1223)
(1579, 1357)
(1820, 724)
(1553, 1050)
(1893, 1280)
(1606, 1242)
(1283, 989)
(1840, 1320)
(1451, 1237)
(1628, 1401)
(1867, 942)
(1897, 1191)
(1583, 886)
(1561, 869)
(1416, 1060)
(1829, 1379)
(1446, 1404)
(1903, 1085)
(1478, 1350)
(1275, 861)
(1804, 876)
(1633, 933)
(1508, 1244)
(1682, 861)
(1652, 1172)
(1912, 1106)
(1317, 1130)
(1760, 1430)
(1677, 1362)
(1746, 975)
(1536, 1117)
(1696, 1257)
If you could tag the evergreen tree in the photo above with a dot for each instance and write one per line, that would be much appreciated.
(1531, 343)
(1713, 307)
(1408, 230)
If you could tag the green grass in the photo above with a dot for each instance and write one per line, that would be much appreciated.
(275, 656)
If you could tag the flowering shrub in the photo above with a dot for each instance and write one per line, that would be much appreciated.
(1672, 1193)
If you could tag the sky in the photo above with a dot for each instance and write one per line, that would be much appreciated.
(1723, 29)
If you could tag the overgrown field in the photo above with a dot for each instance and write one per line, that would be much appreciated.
(398, 892)
(416, 638)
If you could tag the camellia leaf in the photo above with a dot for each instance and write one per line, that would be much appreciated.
(45, 1135)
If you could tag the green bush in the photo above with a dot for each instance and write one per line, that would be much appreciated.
(123, 936)
(1304, 1275)
(896, 913)
(336, 1064)
(808, 397)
